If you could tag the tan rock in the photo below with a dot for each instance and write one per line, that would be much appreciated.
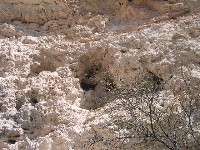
(65, 64)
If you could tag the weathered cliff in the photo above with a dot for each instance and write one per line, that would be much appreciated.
(65, 63)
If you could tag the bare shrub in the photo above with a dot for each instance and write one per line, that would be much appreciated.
(160, 118)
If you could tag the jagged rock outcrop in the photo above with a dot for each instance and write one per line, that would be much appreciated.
(64, 63)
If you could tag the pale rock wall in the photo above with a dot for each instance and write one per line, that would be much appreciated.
(38, 11)
(59, 73)
(42, 11)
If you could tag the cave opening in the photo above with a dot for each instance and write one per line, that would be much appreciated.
(11, 141)
(87, 86)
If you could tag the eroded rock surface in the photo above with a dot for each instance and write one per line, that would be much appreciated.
(64, 63)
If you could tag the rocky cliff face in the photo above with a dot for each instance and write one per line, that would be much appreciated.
(65, 63)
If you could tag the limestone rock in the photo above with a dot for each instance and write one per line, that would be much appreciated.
(9, 30)
(65, 63)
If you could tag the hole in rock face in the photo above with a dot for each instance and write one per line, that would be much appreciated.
(33, 101)
(95, 80)
(11, 141)
(86, 86)
(100, 86)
